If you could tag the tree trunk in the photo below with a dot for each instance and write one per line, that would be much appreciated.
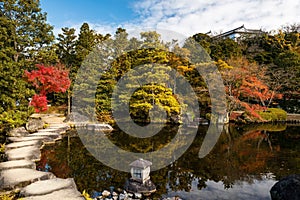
(69, 103)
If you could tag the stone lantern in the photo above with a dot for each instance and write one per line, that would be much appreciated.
(140, 170)
(140, 177)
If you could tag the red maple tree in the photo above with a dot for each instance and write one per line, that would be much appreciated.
(47, 79)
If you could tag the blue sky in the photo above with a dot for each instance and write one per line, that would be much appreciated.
(70, 12)
(184, 16)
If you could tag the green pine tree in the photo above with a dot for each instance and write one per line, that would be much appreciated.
(26, 39)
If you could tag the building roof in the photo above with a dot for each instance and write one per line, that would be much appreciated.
(141, 163)
(239, 30)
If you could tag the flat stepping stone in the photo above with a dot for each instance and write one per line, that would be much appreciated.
(50, 130)
(20, 177)
(48, 186)
(23, 139)
(57, 129)
(65, 194)
(46, 134)
(24, 153)
(17, 164)
(59, 126)
(15, 145)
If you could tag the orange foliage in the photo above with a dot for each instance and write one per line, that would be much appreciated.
(246, 81)
(252, 109)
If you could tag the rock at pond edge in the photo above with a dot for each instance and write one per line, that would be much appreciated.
(287, 188)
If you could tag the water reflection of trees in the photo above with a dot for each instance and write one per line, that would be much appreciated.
(241, 154)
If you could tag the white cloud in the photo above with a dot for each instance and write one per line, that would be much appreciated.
(200, 16)
(193, 16)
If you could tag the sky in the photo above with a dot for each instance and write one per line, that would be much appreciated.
(186, 17)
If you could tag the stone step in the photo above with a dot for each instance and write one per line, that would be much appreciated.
(15, 145)
(23, 139)
(65, 194)
(59, 125)
(50, 130)
(17, 164)
(48, 186)
(24, 153)
(20, 177)
(52, 135)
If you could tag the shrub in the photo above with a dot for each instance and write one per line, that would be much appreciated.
(2, 148)
(273, 114)
(9, 196)
(13, 118)
(86, 195)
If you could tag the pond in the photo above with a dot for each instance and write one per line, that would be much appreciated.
(244, 164)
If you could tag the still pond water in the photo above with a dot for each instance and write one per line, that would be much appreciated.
(244, 164)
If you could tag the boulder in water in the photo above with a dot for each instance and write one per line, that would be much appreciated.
(287, 188)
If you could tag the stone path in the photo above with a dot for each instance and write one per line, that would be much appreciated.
(52, 189)
(19, 172)
(294, 118)
(24, 153)
(17, 164)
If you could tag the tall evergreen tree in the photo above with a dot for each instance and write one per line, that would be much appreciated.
(87, 39)
(66, 46)
(30, 35)
(26, 39)
(67, 55)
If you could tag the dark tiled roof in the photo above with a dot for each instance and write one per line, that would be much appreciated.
(241, 30)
